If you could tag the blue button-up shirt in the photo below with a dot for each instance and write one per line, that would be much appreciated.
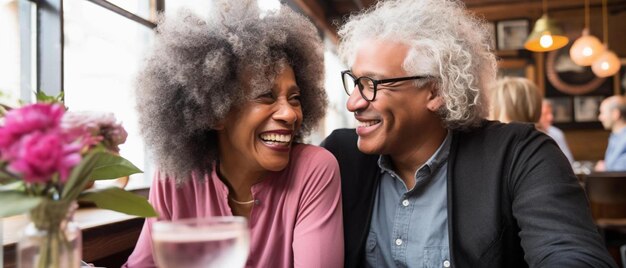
(409, 227)
(615, 157)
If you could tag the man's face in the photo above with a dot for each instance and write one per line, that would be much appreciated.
(546, 118)
(402, 115)
(607, 114)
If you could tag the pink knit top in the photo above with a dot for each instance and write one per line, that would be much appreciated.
(296, 223)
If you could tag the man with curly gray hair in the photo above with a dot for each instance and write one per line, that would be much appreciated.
(426, 180)
(223, 103)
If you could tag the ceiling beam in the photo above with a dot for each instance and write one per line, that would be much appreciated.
(493, 10)
(316, 13)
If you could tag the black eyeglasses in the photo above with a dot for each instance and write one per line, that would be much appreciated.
(367, 85)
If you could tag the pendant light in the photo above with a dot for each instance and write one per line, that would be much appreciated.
(546, 35)
(587, 48)
(607, 64)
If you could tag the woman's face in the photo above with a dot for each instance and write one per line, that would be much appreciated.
(260, 133)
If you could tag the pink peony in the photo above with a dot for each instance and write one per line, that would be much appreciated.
(34, 145)
(102, 126)
(39, 155)
(34, 117)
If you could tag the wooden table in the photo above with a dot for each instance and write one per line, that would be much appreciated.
(106, 235)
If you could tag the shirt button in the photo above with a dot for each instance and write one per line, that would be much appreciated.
(405, 203)
(398, 242)
(446, 263)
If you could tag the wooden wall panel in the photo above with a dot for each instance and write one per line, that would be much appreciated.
(587, 144)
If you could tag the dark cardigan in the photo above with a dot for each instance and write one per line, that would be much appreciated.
(513, 200)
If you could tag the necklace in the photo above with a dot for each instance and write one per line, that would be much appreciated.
(242, 203)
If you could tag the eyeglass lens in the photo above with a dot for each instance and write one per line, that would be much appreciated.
(365, 84)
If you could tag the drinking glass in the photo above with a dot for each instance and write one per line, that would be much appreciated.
(201, 242)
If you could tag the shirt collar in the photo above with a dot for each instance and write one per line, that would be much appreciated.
(431, 165)
(621, 132)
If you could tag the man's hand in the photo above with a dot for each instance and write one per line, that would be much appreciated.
(600, 166)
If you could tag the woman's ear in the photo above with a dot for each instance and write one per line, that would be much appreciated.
(220, 124)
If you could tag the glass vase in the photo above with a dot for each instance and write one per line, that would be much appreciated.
(51, 239)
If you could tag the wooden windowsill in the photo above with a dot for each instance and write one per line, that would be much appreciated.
(105, 233)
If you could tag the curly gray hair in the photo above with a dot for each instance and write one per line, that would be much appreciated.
(200, 69)
(455, 42)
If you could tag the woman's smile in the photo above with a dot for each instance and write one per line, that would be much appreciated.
(278, 140)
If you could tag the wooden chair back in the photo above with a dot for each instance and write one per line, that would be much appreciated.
(607, 194)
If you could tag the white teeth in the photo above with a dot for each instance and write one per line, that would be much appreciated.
(276, 137)
(368, 123)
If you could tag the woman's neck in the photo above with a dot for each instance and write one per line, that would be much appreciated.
(239, 179)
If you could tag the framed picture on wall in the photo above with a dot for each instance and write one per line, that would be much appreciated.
(516, 68)
(586, 108)
(561, 109)
(511, 34)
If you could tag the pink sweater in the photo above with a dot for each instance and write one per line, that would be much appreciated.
(298, 222)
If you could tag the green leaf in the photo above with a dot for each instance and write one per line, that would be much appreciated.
(119, 200)
(17, 185)
(42, 97)
(6, 177)
(79, 177)
(15, 203)
(111, 166)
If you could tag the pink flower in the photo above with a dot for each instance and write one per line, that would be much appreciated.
(34, 117)
(34, 145)
(39, 155)
(102, 126)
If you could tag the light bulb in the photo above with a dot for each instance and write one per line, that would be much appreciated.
(606, 65)
(586, 49)
(546, 40)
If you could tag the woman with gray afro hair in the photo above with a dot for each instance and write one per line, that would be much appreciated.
(223, 102)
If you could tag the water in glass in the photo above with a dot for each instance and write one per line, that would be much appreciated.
(207, 242)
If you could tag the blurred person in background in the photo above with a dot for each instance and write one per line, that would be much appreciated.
(545, 125)
(613, 117)
(426, 180)
(517, 99)
(224, 103)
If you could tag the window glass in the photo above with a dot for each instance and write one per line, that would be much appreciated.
(203, 7)
(337, 116)
(198, 7)
(9, 52)
(102, 55)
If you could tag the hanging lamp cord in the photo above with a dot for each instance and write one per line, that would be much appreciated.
(587, 14)
(605, 23)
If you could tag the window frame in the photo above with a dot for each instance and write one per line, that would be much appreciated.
(41, 53)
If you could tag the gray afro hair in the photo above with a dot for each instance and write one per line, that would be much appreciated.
(195, 75)
(445, 39)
